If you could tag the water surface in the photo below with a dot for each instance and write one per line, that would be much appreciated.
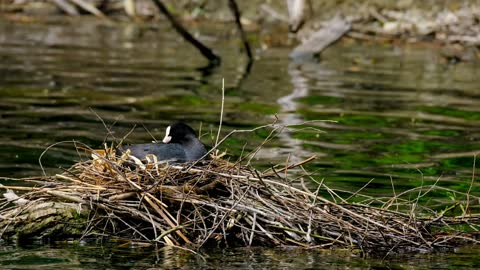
(400, 116)
(114, 257)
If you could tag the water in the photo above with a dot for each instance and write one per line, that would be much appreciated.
(400, 116)
(114, 257)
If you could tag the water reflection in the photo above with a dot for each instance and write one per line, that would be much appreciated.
(56, 72)
(402, 111)
(399, 109)
(404, 117)
(73, 256)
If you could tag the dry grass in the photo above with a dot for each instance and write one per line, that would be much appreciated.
(220, 203)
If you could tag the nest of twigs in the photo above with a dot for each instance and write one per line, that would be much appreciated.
(211, 202)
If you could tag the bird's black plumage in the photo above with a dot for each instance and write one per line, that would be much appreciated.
(180, 145)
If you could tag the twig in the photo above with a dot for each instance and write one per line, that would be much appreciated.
(89, 7)
(167, 219)
(221, 113)
(66, 7)
(53, 145)
(109, 130)
(291, 166)
(204, 50)
(467, 204)
(236, 13)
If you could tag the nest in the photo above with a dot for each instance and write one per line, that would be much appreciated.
(210, 202)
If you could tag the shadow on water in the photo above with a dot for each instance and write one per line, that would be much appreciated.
(399, 115)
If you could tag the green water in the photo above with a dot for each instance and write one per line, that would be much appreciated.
(399, 116)
(115, 257)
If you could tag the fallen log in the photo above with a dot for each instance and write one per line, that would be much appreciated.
(332, 31)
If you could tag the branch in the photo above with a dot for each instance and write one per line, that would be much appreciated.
(207, 52)
(236, 13)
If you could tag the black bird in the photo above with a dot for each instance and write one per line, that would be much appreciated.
(179, 145)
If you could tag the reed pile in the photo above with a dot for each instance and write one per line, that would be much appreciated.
(211, 202)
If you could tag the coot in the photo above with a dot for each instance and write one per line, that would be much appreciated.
(180, 145)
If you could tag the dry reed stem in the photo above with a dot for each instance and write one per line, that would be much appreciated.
(222, 203)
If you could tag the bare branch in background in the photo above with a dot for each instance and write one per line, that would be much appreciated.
(130, 8)
(296, 14)
(236, 12)
(333, 30)
(271, 12)
(66, 7)
(207, 52)
(89, 7)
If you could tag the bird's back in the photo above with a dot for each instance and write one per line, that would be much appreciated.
(173, 152)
